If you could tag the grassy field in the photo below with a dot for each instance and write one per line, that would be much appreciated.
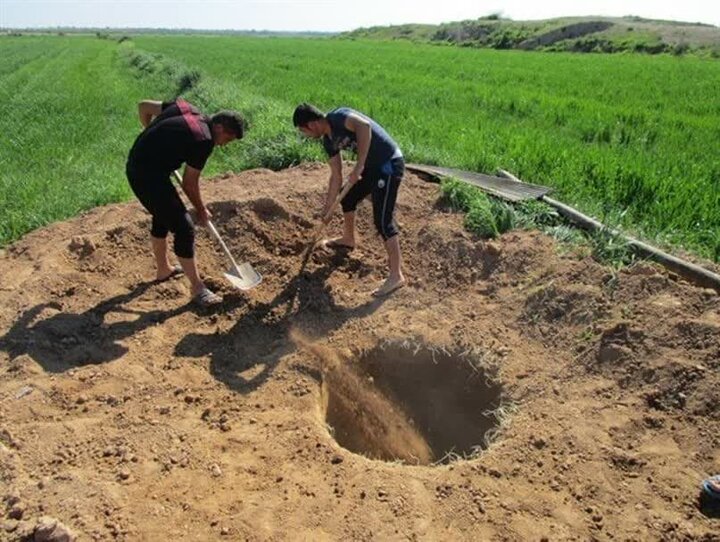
(630, 139)
(68, 119)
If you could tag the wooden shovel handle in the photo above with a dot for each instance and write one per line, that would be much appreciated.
(339, 198)
(219, 239)
(321, 227)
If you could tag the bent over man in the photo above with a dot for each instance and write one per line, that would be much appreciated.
(377, 173)
(176, 133)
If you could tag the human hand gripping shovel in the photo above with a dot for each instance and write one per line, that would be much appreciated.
(295, 283)
(243, 276)
(320, 228)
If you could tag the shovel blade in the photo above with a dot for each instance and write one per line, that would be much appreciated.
(243, 277)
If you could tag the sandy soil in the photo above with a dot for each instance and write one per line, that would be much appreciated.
(126, 413)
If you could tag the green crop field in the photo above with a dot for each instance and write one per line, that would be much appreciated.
(67, 118)
(632, 139)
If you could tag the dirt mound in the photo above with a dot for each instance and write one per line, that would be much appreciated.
(567, 400)
(573, 304)
(451, 256)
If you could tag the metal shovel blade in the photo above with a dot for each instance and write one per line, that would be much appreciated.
(243, 277)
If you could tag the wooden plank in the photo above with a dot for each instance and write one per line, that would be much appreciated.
(510, 188)
(694, 273)
(497, 186)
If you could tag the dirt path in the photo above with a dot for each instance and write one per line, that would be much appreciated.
(125, 413)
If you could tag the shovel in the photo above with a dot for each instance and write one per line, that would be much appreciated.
(317, 232)
(320, 228)
(243, 276)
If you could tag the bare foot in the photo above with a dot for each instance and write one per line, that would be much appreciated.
(389, 286)
(337, 244)
(168, 272)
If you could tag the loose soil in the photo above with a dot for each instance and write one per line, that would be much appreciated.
(587, 403)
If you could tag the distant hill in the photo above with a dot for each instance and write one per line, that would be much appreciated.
(577, 34)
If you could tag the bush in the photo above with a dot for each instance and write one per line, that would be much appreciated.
(187, 81)
(680, 49)
(610, 249)
(276, 153)
(480, 220)
(503, 214)
(145, 62)
(484, 216)
(536, 214)
(458, 194)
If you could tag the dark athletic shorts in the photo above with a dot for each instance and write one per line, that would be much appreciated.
(160, 198)
(383, 183)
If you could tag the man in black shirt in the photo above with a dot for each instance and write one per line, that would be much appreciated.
(377, 173)
(177, 133)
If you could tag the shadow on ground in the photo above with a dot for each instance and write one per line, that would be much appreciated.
(245, 356)
(61, 341)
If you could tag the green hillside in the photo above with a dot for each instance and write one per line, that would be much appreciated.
(575, 34)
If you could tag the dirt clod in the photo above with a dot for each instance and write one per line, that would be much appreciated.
(49, 529)
(16, 512)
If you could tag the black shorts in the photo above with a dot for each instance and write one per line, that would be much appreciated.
(158, 195)
(382, 183)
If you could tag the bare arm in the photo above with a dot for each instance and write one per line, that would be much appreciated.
(363, 134)
(334, 184)
(147, 110)
(191, 187)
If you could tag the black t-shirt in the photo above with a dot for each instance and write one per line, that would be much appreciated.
(382, 146)
(179, 134)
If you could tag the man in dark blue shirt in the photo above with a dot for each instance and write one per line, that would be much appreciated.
(377, 172)
(177, 133)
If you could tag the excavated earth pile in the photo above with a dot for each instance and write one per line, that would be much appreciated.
(512, 391)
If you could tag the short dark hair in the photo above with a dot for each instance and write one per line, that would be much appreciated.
(232, 121)
(306, 113)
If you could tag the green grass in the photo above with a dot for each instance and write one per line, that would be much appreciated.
(630, 139)
(488, 217)
(68, 120)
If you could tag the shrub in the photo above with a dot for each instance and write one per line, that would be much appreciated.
(479, 220)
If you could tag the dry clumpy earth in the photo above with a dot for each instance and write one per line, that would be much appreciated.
(512, 391)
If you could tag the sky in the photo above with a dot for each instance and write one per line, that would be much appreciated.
(324, 15)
